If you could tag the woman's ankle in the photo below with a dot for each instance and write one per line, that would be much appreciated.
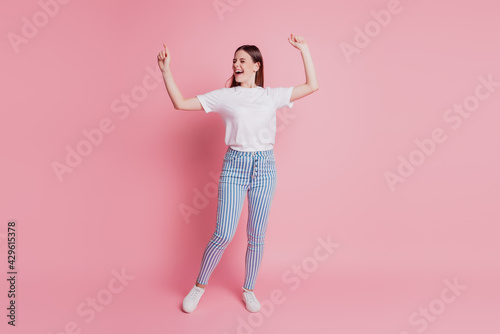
(200, 285)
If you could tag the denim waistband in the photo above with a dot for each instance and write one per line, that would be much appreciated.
(233, 152)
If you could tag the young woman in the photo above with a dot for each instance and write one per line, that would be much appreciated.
(249, 112)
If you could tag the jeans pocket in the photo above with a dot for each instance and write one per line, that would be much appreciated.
(231, 157)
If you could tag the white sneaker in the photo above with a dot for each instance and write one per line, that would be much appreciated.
(191, 300)
(252, 304)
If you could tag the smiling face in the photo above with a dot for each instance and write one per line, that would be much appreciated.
(244, 69)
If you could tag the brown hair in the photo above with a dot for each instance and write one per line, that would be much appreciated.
(256, 56)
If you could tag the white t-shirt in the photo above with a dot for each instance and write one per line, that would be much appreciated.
(249, 114)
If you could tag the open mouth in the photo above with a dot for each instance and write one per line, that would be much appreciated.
(238, 73)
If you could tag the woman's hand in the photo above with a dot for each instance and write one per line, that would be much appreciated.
(298, 42)
(164, 59)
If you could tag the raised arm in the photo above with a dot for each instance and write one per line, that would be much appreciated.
(311, 84)
(178, 100)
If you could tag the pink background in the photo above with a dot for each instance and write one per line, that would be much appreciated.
(120, 207)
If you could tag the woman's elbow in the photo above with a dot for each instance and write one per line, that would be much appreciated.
(177, 106)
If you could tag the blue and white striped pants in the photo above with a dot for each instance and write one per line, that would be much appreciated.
(242, 172)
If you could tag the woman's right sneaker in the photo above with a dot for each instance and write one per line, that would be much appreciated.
(191, 300)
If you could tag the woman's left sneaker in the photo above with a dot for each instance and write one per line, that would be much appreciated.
(251, 302)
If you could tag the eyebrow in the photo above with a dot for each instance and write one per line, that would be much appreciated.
(240, 58)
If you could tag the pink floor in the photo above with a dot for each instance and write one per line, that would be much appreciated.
(396, 301)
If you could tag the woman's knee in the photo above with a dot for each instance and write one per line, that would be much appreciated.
(256, 241)
(221, 240)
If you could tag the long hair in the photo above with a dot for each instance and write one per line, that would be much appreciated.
(256, 56)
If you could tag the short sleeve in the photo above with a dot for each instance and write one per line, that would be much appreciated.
(210, 101)
(281, 96)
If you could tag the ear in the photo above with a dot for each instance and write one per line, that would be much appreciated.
(258, 66)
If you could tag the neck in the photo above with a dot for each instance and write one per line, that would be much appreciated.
(245, 86)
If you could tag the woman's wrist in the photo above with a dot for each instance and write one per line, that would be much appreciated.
(304, 49)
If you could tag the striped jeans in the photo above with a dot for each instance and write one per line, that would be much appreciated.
(242, 172)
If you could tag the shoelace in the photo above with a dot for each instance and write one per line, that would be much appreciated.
(196, 294)
(250, 297)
